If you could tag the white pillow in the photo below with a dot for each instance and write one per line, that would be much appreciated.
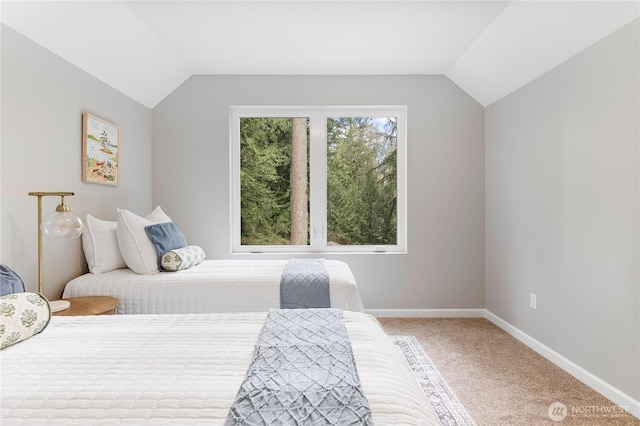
(137, 250)
(100, 245)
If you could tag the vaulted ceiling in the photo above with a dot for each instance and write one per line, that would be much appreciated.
(146, 49)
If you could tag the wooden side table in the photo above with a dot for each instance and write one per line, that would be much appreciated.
(90, 305)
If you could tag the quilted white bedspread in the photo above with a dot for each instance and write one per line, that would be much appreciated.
(231, 285)
(174, 369)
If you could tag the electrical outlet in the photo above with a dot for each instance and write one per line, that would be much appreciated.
(533, 301)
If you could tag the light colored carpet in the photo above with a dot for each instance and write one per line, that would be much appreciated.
(501, 381)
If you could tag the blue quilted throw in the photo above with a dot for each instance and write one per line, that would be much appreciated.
(304, 284)
(303, 373)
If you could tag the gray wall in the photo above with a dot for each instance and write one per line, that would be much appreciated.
(43, 98)
(562, 209)
(444, 264)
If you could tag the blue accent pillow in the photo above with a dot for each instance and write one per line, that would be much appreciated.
(164, 237)
(10, 282)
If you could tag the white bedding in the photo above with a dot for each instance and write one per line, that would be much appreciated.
(174, 369)
(231, 285)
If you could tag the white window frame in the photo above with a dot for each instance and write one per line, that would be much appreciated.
(318, 116)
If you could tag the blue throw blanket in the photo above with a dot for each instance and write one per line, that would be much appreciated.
(304, 284)
(303, 373)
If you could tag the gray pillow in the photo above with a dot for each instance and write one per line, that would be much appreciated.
(10, 282)
(165, 237)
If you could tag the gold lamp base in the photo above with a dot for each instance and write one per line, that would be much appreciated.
(62, 224)
(59, 305)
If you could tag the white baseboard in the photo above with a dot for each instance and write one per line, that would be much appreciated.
(615, 395)
(426, 313)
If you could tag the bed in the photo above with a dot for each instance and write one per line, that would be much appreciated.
(175, 369)
(231, 285)
(125, 257)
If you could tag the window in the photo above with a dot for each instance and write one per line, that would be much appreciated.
(318, 179)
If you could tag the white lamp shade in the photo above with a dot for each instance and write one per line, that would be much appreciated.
(62, 225)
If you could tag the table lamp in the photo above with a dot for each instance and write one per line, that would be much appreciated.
(62, 223)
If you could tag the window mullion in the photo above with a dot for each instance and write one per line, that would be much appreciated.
(234, 154)
(318, 181)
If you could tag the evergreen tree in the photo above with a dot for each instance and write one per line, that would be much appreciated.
(361, 181)
(265, 159)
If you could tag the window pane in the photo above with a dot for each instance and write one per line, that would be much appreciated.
(274, 181)
(361, 181)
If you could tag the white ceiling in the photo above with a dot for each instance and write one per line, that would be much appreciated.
(146, 49)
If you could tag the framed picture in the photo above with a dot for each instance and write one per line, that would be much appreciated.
(100, 150)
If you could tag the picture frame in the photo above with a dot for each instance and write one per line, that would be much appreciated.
(100, 151)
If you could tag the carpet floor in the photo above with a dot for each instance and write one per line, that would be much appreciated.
(500, 381)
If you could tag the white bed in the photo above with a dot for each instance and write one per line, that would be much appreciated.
(231, 285)
(175, 369)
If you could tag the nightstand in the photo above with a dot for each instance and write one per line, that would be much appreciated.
(90, 305)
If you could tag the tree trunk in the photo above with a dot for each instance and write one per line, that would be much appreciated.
(298, 198)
